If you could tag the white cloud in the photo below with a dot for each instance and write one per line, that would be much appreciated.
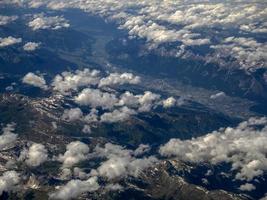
(244, 147)
(120, 162)
(35, 80)
(7, 19)
(142, 148)
(170, 102)
(92, 116)
(7, 41)
(249, 53)
(163, 22)
(75, 188)
(264, 198)
(8, 181)
(119, 79)
(8, 136)
(72, 114)
(76, 152)
(42, 22)
(119, 115)
(218, 95)
(147, 101)
(247, 187)
(31, 46)
(96, 98)
(68, 81)
(35, 155)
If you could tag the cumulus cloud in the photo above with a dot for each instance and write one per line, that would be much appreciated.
(76, 152)
(75, 188)
(170, 102)
(119, 79)
(42, 22)
(147, 101)
(72, 114)
(7, 41)
(247, 187)
(68, 81)
(35, 80)
(31, 46)
(96, 98)
(244, 147)
(7, 19)
(8, 181)
(35, 155)
(120, 162)
(8, 136)
(117, 115)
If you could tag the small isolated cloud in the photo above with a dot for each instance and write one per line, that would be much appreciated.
(218, 95)
(43, 22)
(75, 188)
(7, 19)
(170, 102)
(8, 136)
(31, 46)
(8, 181)
(35, 80)
(244, 147)
(119, 79)
(76, 152)
(247, 187)
(7, 41)
(35, 155)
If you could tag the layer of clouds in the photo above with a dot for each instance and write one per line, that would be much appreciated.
(31, 46)
(186, 22)
(8, 181)
(244, 147)
(7, 41)
(35, 80)
(35, 155)
(43, 22)
(248, 52)
(7, 19)
(76, 152)
(8, 137)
